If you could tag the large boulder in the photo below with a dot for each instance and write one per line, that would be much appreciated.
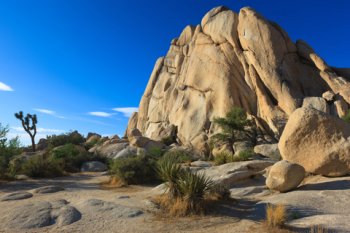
(233, 59)
(109, 150)
(317, 141)
(284, 176)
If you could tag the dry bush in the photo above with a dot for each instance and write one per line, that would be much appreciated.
(114, 182)
(178, 207)
(318, 229)
(275, 215)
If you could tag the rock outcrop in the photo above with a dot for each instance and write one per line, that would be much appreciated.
(317, 141)
(234, 59)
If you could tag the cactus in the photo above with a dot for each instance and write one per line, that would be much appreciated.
(29, 128)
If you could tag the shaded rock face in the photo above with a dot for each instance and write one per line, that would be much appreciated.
(233, 59)
(317, 141)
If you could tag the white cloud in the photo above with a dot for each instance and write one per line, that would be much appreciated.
(49, 112)
(127, 111)
(100, 114)
(45, 111)
(4, 87)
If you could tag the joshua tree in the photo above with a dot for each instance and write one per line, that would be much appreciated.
(29, 125)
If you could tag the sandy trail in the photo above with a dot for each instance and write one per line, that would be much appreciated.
(239, 217)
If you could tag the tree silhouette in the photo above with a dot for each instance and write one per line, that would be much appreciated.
(29, 125)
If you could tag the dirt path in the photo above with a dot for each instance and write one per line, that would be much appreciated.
(82, 187)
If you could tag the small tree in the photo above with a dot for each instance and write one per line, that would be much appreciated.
(234, 127)
(29, 125)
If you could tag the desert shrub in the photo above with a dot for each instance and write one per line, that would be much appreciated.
(186, 190)
(318, 229)
(181, 156)
(92, 143)
(242, 156)
(347, 117)
(223, 157)
(8, 149)
(71, 157)
(169, 170)
(275, 215)
(168, 140)
(227, 157)
(193, 188)
(134, 169)
(68, 138)
(39, 166)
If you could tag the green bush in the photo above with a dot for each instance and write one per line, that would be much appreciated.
(347, 117)
(169, 170)
(68, 138)
(193, 188)
(71, 157)
(223, 157)
(8, 149)
(39, 166)
(134, 169)
(226, 157)
(180, 155)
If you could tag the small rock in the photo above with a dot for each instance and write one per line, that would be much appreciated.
(93, 166)
(21, 177)
(123, 197)
(48, 189)
(68, 215)
(328, 95)
(284, 176)
(201, 164)
(16, 196)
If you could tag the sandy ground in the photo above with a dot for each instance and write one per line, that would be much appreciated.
(239, 216)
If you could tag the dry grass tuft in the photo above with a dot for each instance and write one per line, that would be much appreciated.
(318, 229)
(114, 182)
(178, 207)
(275, 215)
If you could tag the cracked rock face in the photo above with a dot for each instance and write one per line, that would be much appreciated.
(233, 59)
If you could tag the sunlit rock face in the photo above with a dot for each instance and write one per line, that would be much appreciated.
(234, 59)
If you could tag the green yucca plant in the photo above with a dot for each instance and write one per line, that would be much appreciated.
(193, 187)
(170, 171)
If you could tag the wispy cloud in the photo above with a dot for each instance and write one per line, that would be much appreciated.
(49, 112)
(39, 130)
(100, 114)
(4, 87)
(127, 111)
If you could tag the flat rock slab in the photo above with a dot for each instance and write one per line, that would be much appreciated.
(112, 209)
(16, 196)
(48, 189)
(201, 164)
(94, 166)
(231, 173)
(41, 214)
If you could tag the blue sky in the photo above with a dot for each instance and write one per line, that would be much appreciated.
(83, 64)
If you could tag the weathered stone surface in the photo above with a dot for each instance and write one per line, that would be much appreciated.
(48, 189)
(228, 60)
(284, 176)
(316, 103)
(42, 214)
(268, 150)
(126, 152)
(114, 210)
(93, 166)
(328, 95)
(317, 141)
(15, 196)
(230, 173)
(110, 150)
(68, 215)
